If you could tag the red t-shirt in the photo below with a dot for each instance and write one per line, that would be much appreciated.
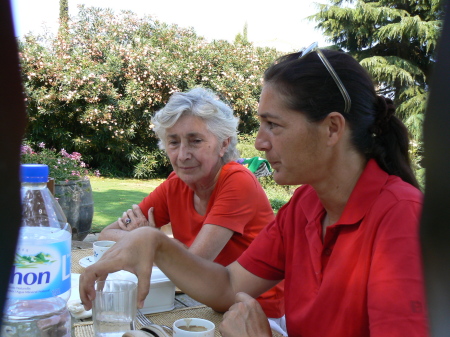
(238, 203)
(365, 278)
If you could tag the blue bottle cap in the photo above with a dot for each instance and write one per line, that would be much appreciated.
(34, 173)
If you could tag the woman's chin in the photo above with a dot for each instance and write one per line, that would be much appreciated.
(278, 178)
(190, 179)
(281, 179)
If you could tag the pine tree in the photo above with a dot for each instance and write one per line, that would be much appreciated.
(395, 40)
(242, 38)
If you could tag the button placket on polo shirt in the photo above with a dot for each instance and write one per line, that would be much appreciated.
(315, 248)
(329, 242)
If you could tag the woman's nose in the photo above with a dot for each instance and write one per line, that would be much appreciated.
(261, 143)
(184, 152)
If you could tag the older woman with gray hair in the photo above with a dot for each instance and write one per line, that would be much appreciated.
(216, 207)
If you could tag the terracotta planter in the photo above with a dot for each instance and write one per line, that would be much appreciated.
(75, 198)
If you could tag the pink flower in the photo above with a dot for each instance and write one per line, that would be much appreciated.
(75, 156)
(25, 149)
(64, 153)
(63, 166)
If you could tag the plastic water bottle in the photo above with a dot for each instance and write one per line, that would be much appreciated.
(39, 283)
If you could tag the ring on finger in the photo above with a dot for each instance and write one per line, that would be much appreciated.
(127, 221)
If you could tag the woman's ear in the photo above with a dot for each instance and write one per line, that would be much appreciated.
(224, 146)
(335, 124)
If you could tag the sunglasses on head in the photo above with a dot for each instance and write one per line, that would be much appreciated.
(314, 48)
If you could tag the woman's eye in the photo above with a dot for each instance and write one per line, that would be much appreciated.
(272, 125)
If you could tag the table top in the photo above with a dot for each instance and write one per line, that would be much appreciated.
(185, 306)
(81, 244)
(167, 318)
(82, 249)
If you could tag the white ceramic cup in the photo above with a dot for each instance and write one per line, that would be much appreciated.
(180, 325)
(100, 247)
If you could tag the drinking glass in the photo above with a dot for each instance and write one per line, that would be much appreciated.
(114, 307)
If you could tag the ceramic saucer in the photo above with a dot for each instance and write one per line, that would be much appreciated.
(86, 261)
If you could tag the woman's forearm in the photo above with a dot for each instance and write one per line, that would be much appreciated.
(203, 280)
(112, 232)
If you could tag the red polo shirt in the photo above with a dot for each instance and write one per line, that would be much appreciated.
(365, 278)
(238, 203)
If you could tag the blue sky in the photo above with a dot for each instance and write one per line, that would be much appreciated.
(280, 24)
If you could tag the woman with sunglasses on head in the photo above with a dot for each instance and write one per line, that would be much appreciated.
(346, 243)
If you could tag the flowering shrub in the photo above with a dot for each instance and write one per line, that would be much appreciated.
(94, 87)
(62, 165)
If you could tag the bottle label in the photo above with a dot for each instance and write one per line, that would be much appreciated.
(40, 271)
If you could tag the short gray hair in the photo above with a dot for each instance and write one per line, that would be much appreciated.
(203, 103)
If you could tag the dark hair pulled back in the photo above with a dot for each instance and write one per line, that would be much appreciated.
(307, 87)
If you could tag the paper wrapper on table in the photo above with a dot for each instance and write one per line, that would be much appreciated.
(162, 293)
(146, 331)
(74, 305)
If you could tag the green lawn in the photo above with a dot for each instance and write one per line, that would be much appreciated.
(114, 196)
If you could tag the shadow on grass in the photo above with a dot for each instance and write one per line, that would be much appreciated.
(109, 205)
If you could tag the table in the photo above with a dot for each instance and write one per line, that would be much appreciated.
(185, 306)
(167, 318)
(82, 249)
(81, 245)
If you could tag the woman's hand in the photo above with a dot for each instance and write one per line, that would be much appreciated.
(131, 219)
(134, 218)
(245, 318)
(134, 253)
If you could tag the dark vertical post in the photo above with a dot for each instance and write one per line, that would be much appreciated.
(12, 125)
(63, 14)
(435, 224)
